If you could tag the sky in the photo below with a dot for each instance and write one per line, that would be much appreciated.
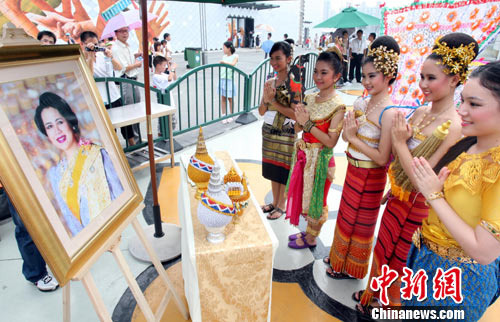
(339, 4)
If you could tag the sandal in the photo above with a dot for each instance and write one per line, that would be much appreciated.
(365, 309)
(326, 260)
(338, 276)
(356, 296)
(293, 244)
(295, 236)
(276, 210)
(267, 208)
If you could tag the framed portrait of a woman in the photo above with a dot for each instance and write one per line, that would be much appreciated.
(62, 164)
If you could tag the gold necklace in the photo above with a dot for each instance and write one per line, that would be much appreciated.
(330, 95)
(417, 129)
(279, 81)
(363, 118)
(368, 111)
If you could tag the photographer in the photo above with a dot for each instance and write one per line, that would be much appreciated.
(97, 58)
(102, 63)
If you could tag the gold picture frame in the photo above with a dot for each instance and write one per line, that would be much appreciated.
(37, 164)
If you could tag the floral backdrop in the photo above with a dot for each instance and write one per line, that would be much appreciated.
(416, 27)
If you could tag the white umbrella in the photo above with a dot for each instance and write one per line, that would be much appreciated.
(130, 19)
(264, 27)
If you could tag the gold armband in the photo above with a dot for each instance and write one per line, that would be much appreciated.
(489, 227)
(338, 129)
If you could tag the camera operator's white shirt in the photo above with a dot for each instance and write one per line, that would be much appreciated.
(104, 68)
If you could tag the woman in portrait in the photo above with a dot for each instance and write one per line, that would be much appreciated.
(84, 181)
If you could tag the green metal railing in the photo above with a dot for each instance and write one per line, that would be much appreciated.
(159, 96)
(198, 99)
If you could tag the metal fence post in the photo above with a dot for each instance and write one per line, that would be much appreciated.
(247, 117)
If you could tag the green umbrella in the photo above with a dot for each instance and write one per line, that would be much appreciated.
(349, 18)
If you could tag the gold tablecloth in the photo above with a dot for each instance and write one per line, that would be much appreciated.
(234, 277)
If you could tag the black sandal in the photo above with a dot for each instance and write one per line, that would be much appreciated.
(267, 208)
(276, 210)
(338, 276)
(357, 294)
(365, 309)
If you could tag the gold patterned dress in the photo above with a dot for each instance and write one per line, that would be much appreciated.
(473, 191)
(278, 137)
(313, 168)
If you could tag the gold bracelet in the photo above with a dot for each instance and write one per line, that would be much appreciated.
(308, 126)
(435, 195)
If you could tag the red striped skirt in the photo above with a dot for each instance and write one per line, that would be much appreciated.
(356, 220)
(399, 221)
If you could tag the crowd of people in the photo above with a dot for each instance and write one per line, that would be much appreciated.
(442, 163)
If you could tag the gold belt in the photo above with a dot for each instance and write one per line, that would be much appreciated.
(450, 252)
(302, 145)
(362, 163)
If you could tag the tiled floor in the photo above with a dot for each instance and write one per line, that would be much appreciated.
(21, 301)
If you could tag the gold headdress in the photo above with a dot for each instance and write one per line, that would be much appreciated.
(456, 60)
(333, 49)
(385, 60)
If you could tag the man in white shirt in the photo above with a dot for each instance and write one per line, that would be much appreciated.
(356, 50)
(102, 64)
(345, 52)
(130, 67)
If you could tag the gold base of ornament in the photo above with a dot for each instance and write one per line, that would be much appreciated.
(201, 188)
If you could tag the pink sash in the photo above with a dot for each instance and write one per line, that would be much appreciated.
(295, 189)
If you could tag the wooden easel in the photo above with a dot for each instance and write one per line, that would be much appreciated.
(95, 297)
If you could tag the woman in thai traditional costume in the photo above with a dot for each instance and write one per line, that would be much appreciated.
(278, 133)
(431, 131)
(463, 227)
(84, 182)
(368, 131)
(312, 173)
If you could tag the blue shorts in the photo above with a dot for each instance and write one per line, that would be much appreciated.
(226, 87)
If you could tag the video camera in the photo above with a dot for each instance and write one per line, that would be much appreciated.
(96, 49)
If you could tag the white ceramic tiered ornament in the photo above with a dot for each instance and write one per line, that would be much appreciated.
(216, 209)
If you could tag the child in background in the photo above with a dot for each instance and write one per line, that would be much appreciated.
(163, 50)
(226, 85)
(161, 80)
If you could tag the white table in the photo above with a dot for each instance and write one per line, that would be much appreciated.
(136, 113)
(210, 295)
